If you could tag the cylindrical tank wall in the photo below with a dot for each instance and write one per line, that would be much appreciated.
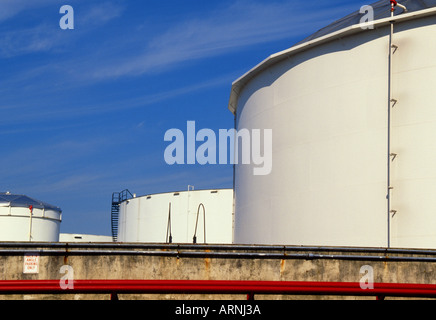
(16, 224)
(145, 219)
(327, 107)
(413, 135)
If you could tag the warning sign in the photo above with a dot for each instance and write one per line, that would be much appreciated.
(31, 263)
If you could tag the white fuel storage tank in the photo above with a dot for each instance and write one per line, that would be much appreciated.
(178, 217)
(353, 116)
(25, 219)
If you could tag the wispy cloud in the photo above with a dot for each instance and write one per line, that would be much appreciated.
(131, 52)
(238, 26)
(11, 8)
(99, 14)
(46, 35)
(41, 38)
(29, 113)
(48, 157)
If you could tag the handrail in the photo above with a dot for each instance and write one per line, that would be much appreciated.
(117, 198)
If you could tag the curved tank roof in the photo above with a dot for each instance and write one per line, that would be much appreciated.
(17, 200)
(346, 26)
(382, 9)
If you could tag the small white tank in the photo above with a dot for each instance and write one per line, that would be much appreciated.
(172, 217)
(26, 219)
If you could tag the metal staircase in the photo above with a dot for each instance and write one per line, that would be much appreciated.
(117, 199)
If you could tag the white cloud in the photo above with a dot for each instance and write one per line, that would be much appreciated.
(45, 35)
(11, 8)
(99, 14)
(243, 24)
(41, 38)
(27, 113)
(132, 52)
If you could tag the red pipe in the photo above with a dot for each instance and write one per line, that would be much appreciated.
(217, 287)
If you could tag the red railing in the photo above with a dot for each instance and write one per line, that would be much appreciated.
(250, 288)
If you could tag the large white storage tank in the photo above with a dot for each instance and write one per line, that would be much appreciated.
(354, 126)
(25, 219)
(177, 217)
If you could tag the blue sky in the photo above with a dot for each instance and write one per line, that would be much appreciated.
(83, 112)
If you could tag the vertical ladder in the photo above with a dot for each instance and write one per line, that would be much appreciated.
(117, 199)
(391, 104)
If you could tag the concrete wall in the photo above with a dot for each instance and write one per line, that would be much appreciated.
(188, 262)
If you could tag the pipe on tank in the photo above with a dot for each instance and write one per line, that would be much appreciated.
(394, 4)
(194, 239)
(169, 237)
(30, 222)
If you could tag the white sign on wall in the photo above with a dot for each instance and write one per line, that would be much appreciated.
(31, 263)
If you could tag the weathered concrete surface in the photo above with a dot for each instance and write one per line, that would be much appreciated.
(200, 262)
